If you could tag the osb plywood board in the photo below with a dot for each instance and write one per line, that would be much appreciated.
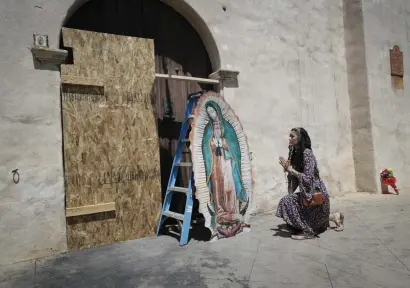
(110, 139)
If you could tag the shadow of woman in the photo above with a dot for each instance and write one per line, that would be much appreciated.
(281, 233)
(284, 231)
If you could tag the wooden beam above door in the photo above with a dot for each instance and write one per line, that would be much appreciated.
(187, 78)
(76, 80)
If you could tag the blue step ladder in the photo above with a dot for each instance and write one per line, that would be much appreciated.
(171, 188)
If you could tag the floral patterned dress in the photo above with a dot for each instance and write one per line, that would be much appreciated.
(310, 219)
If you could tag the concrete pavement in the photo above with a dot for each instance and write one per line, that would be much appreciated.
(373, 251)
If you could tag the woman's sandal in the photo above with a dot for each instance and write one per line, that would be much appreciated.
(339, 220)
(303, 236)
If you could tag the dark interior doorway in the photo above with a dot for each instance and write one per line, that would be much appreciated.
(179, 50)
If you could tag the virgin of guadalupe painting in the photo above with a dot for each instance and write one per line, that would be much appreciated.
(222, 167)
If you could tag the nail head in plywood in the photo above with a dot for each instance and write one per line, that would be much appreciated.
(90, 209)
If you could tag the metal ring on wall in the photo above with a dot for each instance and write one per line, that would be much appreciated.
(16, 176)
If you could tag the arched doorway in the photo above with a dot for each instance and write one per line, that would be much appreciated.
(179, 50)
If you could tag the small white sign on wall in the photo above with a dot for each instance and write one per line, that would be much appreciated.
(40, 40)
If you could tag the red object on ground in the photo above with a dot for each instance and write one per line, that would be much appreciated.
(391, 181)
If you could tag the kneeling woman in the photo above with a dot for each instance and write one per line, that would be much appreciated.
(299, 210)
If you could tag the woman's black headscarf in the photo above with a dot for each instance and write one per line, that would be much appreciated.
(296, 154)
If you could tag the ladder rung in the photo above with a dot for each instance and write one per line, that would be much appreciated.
(174, 215)
(179, 189)
(196, 94)
(185, 140)
(184, 164)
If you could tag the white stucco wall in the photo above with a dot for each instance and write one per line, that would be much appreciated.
(386, 23)
(290, 55)
(32, 218)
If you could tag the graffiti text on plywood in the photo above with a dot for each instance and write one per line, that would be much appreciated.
(114, 176)
(122, 176)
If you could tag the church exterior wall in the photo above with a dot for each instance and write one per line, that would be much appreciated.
(386, 23)
(291, 56)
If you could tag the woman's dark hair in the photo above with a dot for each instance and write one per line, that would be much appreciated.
(296, 154)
